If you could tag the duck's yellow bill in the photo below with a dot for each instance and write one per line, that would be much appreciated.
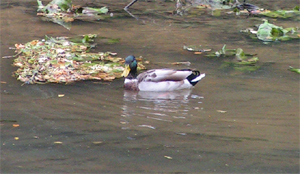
(126, 71)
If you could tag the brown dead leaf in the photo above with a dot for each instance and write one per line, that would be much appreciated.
(102, 75)
(16, 125)
(19, 46)
(198, 52)
(34, 42)
(139, 59)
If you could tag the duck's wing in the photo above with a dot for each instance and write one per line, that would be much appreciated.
(160, 75)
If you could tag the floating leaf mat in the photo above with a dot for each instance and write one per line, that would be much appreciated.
(61, 60)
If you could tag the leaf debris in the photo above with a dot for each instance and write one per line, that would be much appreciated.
(268, 32)
(63, 12)
(168, 157)
(58, 142)
(15, 125)
(65, 60)
(221, 111)
(296, 70)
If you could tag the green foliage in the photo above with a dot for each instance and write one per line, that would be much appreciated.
(294, 70)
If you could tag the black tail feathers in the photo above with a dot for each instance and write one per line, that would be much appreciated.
(194, 75)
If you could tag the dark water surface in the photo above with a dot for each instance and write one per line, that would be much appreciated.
(103, 128)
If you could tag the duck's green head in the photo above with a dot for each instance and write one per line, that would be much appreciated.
(130, 66)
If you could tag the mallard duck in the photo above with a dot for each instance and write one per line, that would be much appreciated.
(158, 79)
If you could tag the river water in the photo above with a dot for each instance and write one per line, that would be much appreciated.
(231, 122)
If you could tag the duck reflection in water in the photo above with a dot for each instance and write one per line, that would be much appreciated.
(144, 109)
(181, 95)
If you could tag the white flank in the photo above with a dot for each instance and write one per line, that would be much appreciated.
(198, 78)
(164, 86)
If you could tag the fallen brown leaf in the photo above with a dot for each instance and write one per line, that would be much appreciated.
(16, 125)
(197, 52)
